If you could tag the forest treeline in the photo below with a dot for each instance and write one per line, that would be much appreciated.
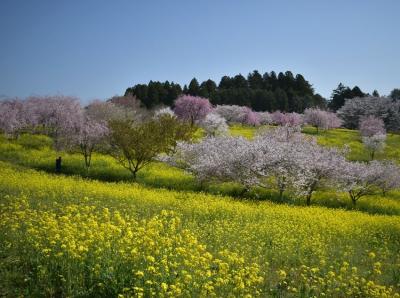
(261, 92)
(270, 92)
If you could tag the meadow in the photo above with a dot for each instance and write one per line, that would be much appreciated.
(98, 234)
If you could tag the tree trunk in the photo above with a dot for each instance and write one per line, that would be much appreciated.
(244, 191)
(281, 190)
(353, 199)
(308, 198)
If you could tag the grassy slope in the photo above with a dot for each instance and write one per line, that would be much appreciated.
(28, 152)
(313, 246)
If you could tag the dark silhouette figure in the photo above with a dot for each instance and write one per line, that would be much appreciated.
(58, 164)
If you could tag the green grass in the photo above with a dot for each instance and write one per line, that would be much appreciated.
(69, 235)
(35, 152)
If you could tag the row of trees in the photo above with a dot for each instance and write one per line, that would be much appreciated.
(261, 92)
(285, 160)
(195, 109)
(343, 93)
(214, 121)
(384, 108)
(131, 135)
(267, 92)
(108, 125)
(135, 137)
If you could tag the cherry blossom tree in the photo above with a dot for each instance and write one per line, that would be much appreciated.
(231, 113)
(371, 125)
(90, 135)
(276, 156)
(238, 114)
(297, 163)
(12, 119)
(321, 119)
(286, 119)
(381, 107)
(192, 108)
(214, 125)
(104, 111)
(373, 134)
(388, 175)
(251, 118)
(333, 121)
(278, 118)
(317, 166)
(221, 159)
(57, 116)
(374, 144)
(251, 163)
(264, 118)
(358, 179)
(129, 108)
(164, 111)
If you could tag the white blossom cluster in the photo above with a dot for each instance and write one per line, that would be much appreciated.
(274, 159)
(373, 134)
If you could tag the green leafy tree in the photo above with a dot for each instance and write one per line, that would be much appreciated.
(135, 145)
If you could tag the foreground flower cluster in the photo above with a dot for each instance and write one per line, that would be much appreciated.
(71, 237)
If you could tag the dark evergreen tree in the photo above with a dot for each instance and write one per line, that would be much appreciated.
(225, 83)
(375, 93)
(395, 94)
(273, 80)
(255, 80)
(341, 93)
(281, 99)
(239, 81)
(194, 87)
(208, 89)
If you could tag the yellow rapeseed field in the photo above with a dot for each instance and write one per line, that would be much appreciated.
(67, 236)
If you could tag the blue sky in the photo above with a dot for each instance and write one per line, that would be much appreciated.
(96, 49)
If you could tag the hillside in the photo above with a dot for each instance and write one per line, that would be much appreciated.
(83, 237)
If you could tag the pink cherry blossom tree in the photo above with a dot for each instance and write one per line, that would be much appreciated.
(333, 121)
(90, 135)
(321, 119)
(57, 116)
(192, 108)
(371, 125)
(12, 119)
(251, 118)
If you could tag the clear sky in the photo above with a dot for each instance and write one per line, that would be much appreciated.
(96, 49)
